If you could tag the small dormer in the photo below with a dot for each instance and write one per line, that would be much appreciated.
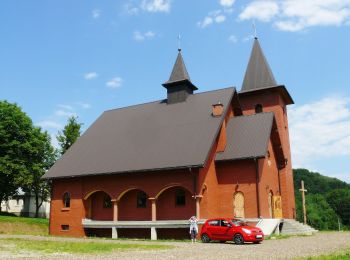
(179, 85)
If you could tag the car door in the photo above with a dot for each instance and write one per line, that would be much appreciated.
(212, 228)
(224, 230)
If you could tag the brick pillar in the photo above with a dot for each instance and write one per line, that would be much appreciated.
(198, 199)
(115, 218)
(154, 218)
(115, 210)
(154, 208)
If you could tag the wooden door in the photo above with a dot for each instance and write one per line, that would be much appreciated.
(270, 202)
(277, 206)
(238, 205)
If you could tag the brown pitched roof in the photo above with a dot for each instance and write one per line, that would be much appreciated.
(247, 137)
(146, 137)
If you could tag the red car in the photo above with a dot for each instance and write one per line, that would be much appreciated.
(226, 229)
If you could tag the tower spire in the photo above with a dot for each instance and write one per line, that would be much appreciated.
(179, 85)
(258, 74)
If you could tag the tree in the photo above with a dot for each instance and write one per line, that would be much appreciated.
(42, 157)
(340, 202)
(327, 199)
(25, 154)
(70, 134)
(15, 133)
(319, 213)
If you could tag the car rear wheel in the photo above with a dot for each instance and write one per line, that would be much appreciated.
(205, 238)
(238, 239)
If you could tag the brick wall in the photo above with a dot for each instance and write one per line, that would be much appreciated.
(273, 102)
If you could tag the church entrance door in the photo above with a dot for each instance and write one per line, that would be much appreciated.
(238, 205)
(270, 204)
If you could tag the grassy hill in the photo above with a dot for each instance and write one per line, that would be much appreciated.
(327, 200)
(23, 226)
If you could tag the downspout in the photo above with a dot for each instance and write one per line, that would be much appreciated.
(257, 185)
(195, 196)
(194, 181)
(279, 181)
(51, 199)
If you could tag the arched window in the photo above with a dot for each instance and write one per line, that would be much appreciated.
(180, 197)
(66, 199)
(141, 200)
(258, 108)
(107, 202)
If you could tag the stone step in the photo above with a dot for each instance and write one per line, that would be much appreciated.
(293, 227)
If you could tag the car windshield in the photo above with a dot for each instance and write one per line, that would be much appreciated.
(238, 222)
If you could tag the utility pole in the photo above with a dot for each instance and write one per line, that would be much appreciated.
(303, 199)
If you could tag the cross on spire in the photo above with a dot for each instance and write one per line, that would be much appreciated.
(179, 42)
(254, 31)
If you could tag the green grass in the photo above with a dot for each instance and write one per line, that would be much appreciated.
(23, 226)
(340, 255)
(16, 245)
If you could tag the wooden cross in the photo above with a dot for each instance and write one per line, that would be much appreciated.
(303, 199)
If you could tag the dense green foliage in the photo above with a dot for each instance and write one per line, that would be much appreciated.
(327, 200)
(15, 147)
(25, 154)
(339, 200)
(70, 134)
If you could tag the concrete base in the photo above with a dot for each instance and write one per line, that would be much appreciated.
(114, 232)
(153, 233)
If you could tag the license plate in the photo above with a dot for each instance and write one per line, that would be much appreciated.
(258, 236)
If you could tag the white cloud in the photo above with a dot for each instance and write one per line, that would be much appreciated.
(84, 105)
(90, 75)
(155, 6)
(138, 36)
(54, 141)
(49, 124)
(248, 38)
(214, 16)
(115, 82)
(260, 10)
(320, 130)
(206, 21)
(96, 13)
(131, 9)
(220, 18)
(296, 15)
(65, 113)
(66, 107)
(232, 38)
(227, 3)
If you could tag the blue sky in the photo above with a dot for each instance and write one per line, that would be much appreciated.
(62, 58)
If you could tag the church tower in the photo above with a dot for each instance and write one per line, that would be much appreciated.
(261, 93)
(179, 85)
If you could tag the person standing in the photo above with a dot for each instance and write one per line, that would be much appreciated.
(193, 228)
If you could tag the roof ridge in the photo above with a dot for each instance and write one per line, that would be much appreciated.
(162, 100)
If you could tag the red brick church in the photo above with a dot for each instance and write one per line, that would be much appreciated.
(145, 169)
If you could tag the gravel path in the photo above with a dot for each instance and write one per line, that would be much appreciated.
(303, 246)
